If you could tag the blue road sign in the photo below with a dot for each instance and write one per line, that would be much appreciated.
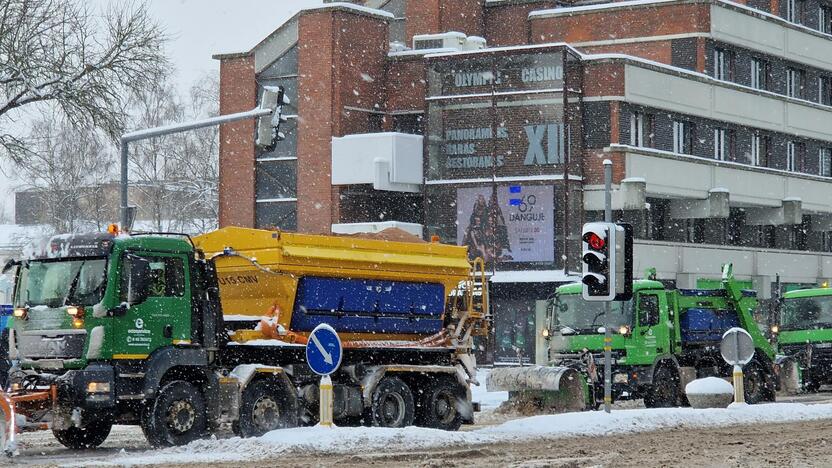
(323, 351)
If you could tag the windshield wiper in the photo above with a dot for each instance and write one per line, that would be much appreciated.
(74, 284)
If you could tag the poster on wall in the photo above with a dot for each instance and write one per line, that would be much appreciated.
(511, 223)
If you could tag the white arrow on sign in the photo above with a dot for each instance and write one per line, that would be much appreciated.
(327, 356)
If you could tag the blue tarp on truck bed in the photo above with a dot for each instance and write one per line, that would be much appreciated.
(701, 325)
(369, 306)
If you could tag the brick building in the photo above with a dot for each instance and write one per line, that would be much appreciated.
(486, 122)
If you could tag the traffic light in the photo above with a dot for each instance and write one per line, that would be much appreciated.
(598, 257)
(268, 126)
(607, 258)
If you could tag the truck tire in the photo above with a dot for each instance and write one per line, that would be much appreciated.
(757, 384)
(264, 407)
(392, 404)
(438, 405)
(93, 434)
(176, 417)
(664, 392)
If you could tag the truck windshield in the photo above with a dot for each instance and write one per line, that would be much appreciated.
(807, 312)
(54, 283)
(572, 314)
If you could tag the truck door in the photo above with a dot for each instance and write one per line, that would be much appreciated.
(163, 316)
(651, 328)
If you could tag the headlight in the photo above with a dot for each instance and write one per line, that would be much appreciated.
(775, 329)
(619, 378)
(545, 333)
(624, 330)
(98, 387)
(20, 313)
(76, 312)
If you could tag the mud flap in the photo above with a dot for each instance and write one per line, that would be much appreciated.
(545, 388)
(8, 442)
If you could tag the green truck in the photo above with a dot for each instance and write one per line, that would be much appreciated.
(804, 333)
(662, 339)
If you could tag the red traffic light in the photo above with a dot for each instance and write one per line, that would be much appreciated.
(595, 241)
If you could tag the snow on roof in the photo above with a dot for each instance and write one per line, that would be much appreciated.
(550, 12)
(532, 276)
(507, 48)
(600, 6)
(354, 7)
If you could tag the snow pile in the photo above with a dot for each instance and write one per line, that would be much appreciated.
(345, 440)
(709, 386)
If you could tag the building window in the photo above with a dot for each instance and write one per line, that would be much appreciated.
(641, 129)
(825, 90)
(722, 144)
(409, 123)
(759, 73)
(826, 241)
(795, 10)
(375, 122)
(694, 232)
(825, 162)
(760, 150)
(825, 19)
(794, 156)
(682, 137)
(723, 64)
(795, 82)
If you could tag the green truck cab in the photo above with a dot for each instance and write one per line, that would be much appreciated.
(662, 339)
(103, 320)
(804, 333)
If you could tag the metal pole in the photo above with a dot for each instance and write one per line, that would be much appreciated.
(124, 207)
(607, 327)
(168, 130)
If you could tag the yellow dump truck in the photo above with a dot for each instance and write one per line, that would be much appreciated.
(181, 335)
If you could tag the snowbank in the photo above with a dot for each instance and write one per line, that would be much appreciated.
(709, 386)
(365, 439)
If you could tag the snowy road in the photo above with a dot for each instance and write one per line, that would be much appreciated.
(782, 434)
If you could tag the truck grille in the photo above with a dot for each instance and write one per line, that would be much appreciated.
(54, 344)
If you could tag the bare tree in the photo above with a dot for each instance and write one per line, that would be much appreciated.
(63, 173)
(175, 176)
(59, 52)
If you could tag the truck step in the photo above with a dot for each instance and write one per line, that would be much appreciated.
(138, 375)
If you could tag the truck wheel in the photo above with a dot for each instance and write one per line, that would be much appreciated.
(664, 392)
(93, 434)
(438, 406)
(264, 408)
(176, 417)
(392, 404)
(756, 384)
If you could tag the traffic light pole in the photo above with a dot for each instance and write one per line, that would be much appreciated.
(607, 321)
(127, 138)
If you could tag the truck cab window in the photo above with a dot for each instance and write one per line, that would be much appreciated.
(167, 277)
(648, 310)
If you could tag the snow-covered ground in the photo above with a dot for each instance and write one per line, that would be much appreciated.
(314, 440)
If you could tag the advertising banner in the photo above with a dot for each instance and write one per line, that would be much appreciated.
(510, 223)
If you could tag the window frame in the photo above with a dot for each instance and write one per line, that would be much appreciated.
(795, 82)
(759, 73)
(683, 137)
(723, 144)
(723, 64)
(825, 161)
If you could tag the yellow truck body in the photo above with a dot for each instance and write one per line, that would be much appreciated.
(278, 274)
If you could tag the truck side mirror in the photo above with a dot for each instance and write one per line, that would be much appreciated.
(138, 279)
(10, 263)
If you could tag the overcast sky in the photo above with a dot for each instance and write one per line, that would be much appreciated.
(199, 29)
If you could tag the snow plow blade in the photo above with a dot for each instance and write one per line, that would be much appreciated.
(540, 389)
